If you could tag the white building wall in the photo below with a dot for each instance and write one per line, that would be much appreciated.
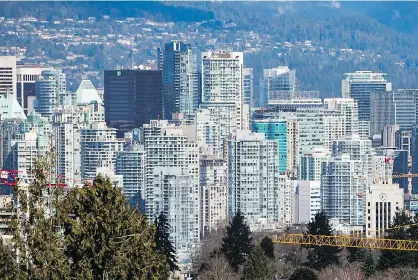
(8, 75)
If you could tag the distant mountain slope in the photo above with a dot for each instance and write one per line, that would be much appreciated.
(119, 9)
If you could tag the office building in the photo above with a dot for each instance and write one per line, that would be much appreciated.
(389, 134)
(51, 92)
(248, 86)
(382, 111)
(27, 75)
(360, 85)
(406, 108)
(253, 179)
(99, 147)
(172, 180)
(180, 80)
(131, 164)
(8, 75)
(277, 84)
(383, 201)
(213, 184)
(132, 98)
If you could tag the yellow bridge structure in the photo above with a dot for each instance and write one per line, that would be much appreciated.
(347, 241)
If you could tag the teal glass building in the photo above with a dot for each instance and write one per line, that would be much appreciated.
(274, 129)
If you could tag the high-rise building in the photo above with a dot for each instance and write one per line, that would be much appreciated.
(248, 86)
(342, 189)
(51, 92)
(8, 131)
(307, 201)
(88, 101)
(275, 129)
(8, 75)
(360, 85)
(131, 164)
(405, 103)
(213, 184)
(180, 80)
(277, 84)
(253, 179)
(209, 129)
(311, 164)
(66, 130)
(132, 98)
(389, 134)
(172, 180)
(222, 90)
(348, 108)
(27, 75)
(382, 111)
(99, 147)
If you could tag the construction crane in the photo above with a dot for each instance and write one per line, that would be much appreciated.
(350, 240)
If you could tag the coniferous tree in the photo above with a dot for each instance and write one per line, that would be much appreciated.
(35, 225)
(163, 243)
(105, 239)
(303, 273)
(394, 258)
(369, 265)
(258, 266)
(268, 247)
(320, 257)
(236, 245)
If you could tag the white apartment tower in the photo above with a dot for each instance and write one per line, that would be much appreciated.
(222, 90)
(213, 183)
(66, 130)
(99, 147)
(253, 179)
(172, 180)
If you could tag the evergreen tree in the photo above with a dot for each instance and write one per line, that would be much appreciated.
(355, 254)
(303, 273)
(163, 243)
(35, 226)
(369, 265)
(268, 247)
(105, 239)
(394, 258)
(8, 264)
(236, 245)
(320, 257)
(258, 266)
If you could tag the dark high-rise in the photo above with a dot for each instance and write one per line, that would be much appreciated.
(132, 98)
(181, 87)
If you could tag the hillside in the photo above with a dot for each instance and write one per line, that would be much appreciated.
(342, 37)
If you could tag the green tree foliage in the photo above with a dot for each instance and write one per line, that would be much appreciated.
(163, 243)
(105, 239)
(268, 247)
(369, 265)
(355, 254)
(393, 258)
(321, 256)
(303, 273)
(8, 264)
(36, 231)
(258, 266)
(236, 245)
